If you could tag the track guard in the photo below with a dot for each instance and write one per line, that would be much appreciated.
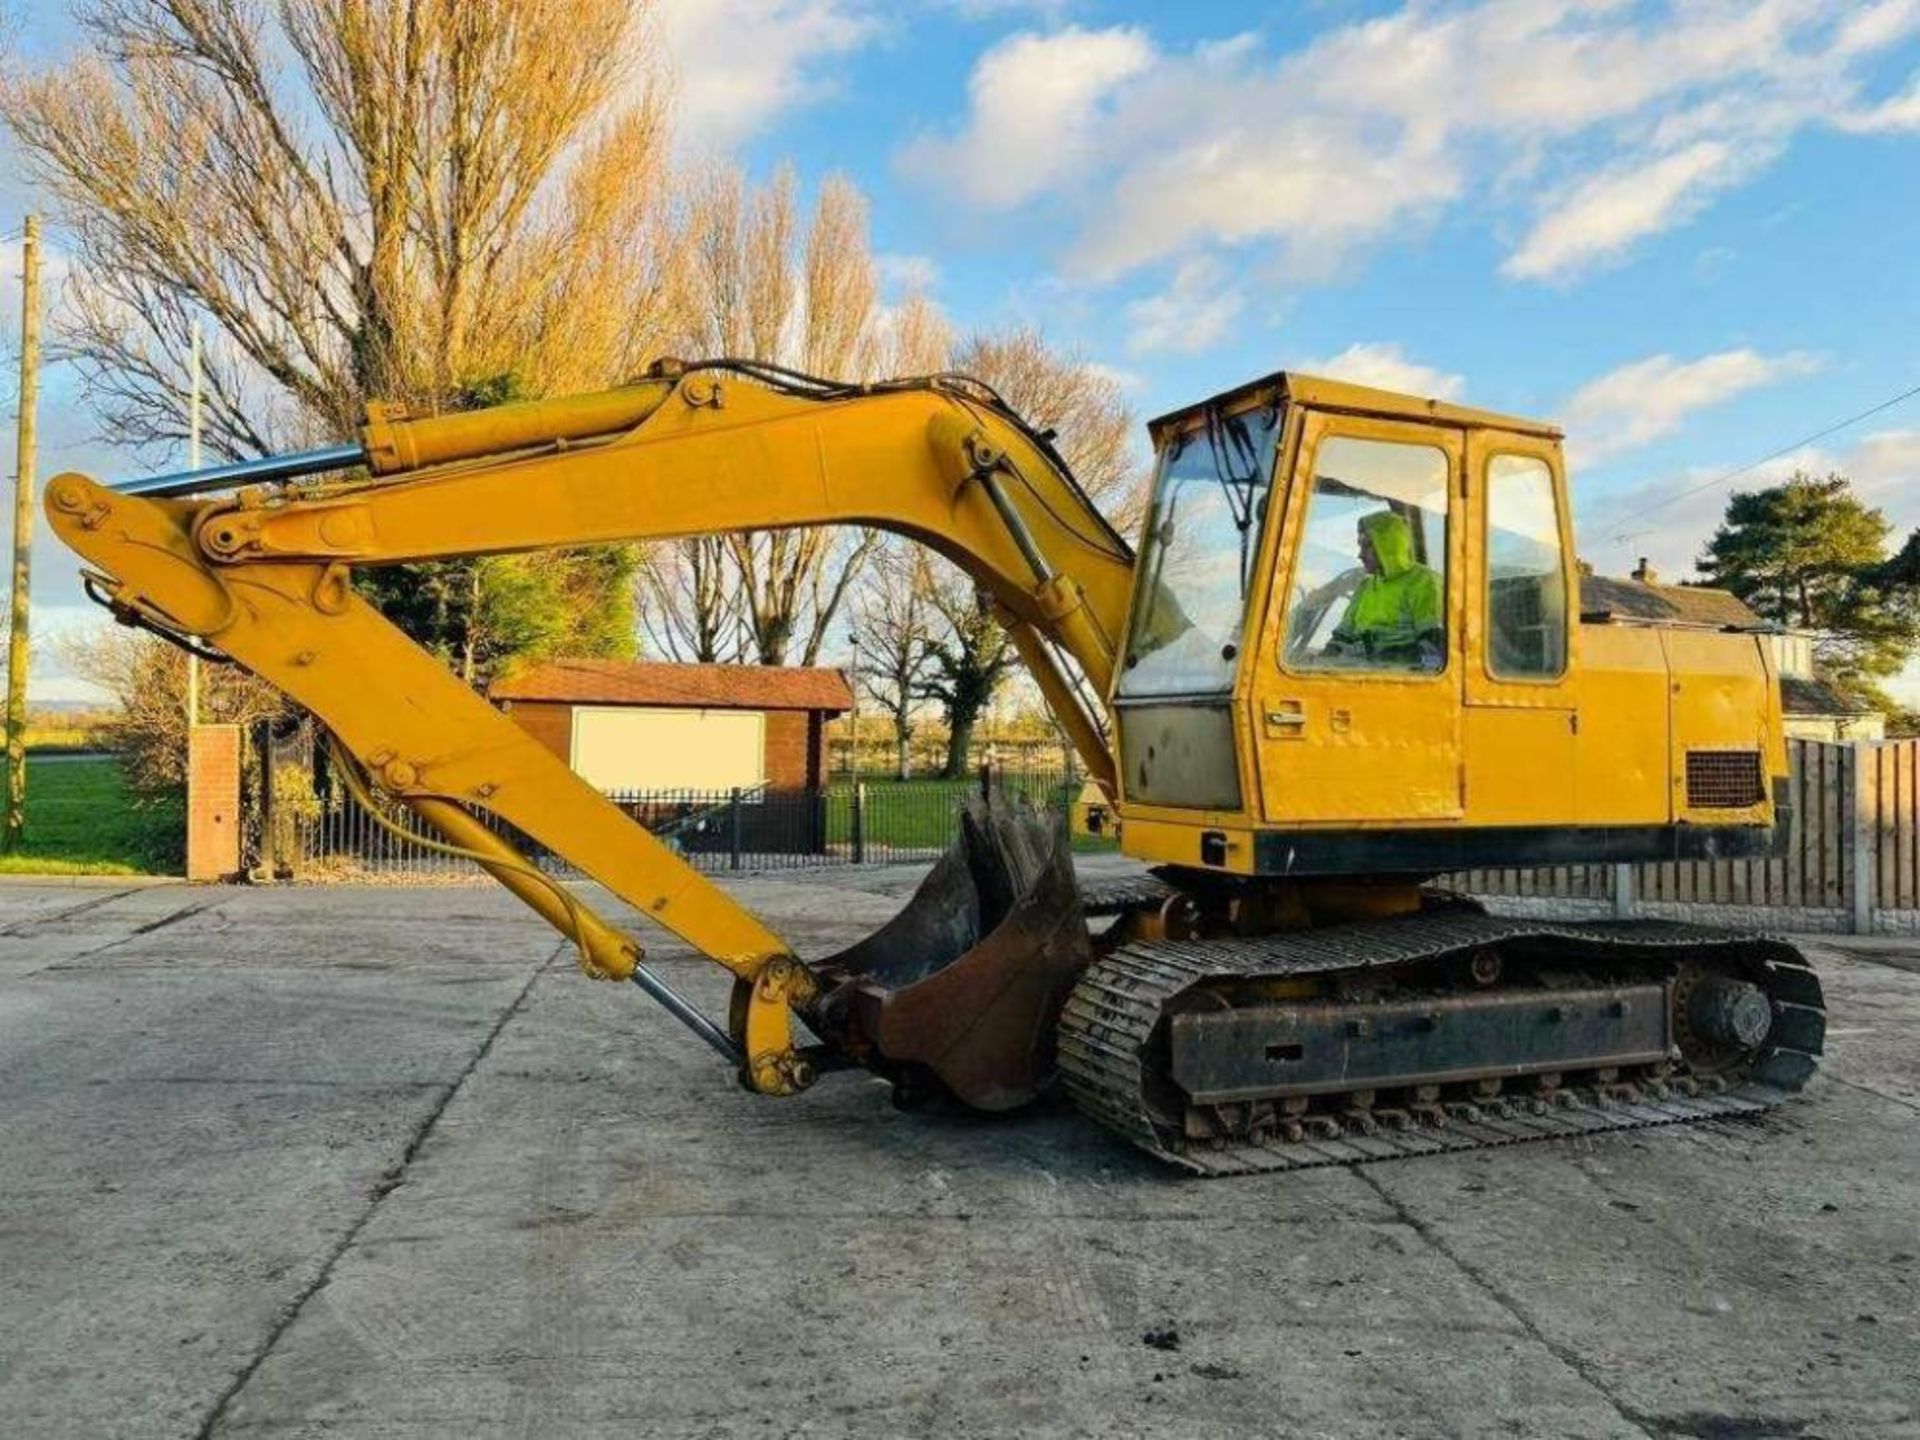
(966, 983)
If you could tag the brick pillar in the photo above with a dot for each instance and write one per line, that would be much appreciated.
(213, 802)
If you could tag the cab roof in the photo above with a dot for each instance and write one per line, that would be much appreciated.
(1319, 392)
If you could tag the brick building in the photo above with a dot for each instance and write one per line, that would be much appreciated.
(634, 725)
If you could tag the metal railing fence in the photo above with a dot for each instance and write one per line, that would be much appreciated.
(317, 830)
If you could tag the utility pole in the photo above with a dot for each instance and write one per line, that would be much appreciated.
(23, 536)
(193, 463)
(853, 752)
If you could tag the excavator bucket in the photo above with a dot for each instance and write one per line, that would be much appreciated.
(963, 987)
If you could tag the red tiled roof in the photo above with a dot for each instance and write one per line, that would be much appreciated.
(713, 687)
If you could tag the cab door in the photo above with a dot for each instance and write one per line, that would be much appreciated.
(1522, 600)
(1356, 692)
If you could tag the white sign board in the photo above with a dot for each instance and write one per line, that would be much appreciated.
(618, 747)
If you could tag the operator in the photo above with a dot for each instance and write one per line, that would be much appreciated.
(1397, 616)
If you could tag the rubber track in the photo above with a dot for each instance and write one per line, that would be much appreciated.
(1116, 897)
(1114, 1009)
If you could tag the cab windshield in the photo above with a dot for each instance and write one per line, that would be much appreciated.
(1198, 554)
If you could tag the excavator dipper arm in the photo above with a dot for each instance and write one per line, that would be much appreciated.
(265, 576)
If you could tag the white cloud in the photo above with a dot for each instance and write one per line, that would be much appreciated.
(49, 679)
(1049, 10)
(1314, 187)
(1615, 120)
(1874, 26)
(1035, 103)
(1190, 315)
(1131, 382)
(1895, 115)
(1885, 470)
(739, 63)
(1602, 216)
(1651, 398)
(913, 274)
(1386, 367)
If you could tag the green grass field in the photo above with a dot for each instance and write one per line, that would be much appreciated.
(81, 821)
(919, 814)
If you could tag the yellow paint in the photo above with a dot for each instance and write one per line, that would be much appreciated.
(1621, 753)
(1521, 768)
(1724, 689)
(1177, 842)
(1366, 746)
(1521, 735)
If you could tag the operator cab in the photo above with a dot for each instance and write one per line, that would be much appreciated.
(1315, 642)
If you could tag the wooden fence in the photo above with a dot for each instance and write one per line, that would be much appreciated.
(1850, 852)
(1894, 777)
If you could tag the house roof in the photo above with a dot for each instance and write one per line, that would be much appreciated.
(1800, 696)
(708, 687)
(1606, 597)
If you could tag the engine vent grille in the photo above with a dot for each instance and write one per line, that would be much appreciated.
(1725, 779)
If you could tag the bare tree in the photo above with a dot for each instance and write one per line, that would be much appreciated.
(1086, 408)
(917, 339)
(412, 200)
(971, 653)
(841, 299)
(416, 202)
(893, 623)
(767, 286)
(1083, 405)
(689, 604)
(148, 679)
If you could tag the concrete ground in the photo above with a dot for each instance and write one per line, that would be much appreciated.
(379, 1163)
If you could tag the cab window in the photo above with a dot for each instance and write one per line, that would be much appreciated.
(1197, 558)
(1370, 585)
(1526, 581)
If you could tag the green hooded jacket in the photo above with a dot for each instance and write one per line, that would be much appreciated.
(1394, 610)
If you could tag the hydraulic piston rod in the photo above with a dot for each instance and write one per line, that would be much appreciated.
(391, 442)
(247, 472)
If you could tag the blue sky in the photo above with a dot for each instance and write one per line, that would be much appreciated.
(1688, 232)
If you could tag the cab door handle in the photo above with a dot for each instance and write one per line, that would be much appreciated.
(1286, 720)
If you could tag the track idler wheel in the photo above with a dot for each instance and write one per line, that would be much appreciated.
(1731, 1012)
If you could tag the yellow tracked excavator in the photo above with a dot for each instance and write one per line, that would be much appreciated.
(1347, 659)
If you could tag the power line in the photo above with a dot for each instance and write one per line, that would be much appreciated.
(1787, 449)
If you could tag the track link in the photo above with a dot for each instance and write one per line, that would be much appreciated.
(1117, 897)
(1108, 1028)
